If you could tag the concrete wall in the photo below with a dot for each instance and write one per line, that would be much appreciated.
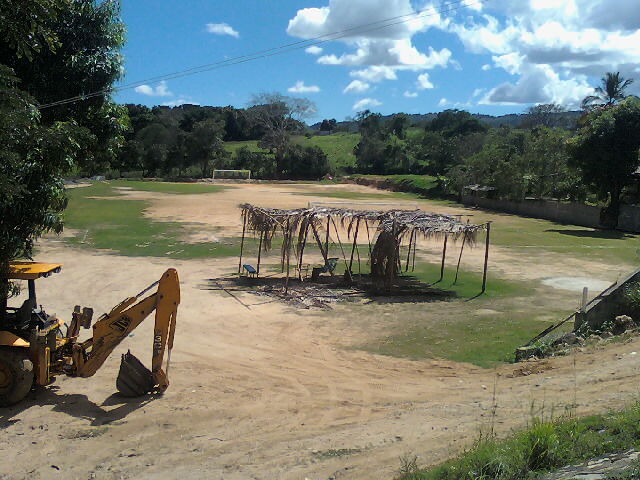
(607, 305)
(561, 212)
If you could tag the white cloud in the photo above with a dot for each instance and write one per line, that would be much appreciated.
(366, 103)
(556, 48)
(486, 67)
(443, 102)
(382, 52)
(180, 101)
(540, 84)
(314, 50)
(161, 90)
(222, 29)
(375, 74)
(409, 94)
(423, 82)
(357, 86)
(300, 87)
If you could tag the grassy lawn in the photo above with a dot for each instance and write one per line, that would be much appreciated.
(544, 446)
(462, 335)
(105, 221)
(338, 147)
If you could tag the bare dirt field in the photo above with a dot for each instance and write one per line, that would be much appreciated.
(272, 392)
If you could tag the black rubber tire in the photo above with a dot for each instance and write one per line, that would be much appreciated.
(15, 361)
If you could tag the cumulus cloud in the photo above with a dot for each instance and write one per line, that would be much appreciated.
(300, 87)
(366, 103)
(222, 29)
(357, 86)
(160, 90)
(378, 53)
(554, 47)
(423, 82)
(409, 94)
(314, 50)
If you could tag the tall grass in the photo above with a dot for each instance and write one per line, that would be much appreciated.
(547, 444)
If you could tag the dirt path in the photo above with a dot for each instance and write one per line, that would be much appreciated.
(264, 394)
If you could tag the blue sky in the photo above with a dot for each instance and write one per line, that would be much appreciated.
(486, 56)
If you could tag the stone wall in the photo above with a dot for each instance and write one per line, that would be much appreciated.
(561, 212)
(607, 305)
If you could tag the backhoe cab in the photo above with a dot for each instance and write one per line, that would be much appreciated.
(36, 347)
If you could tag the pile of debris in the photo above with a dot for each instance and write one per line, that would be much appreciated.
(563, 344)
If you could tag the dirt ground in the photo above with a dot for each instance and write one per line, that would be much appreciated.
(269, 392)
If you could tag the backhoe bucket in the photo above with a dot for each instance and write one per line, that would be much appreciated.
(134, 379)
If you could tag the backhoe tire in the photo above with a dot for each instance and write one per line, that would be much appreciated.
(16, 375)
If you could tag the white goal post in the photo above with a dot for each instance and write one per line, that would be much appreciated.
(232, 174)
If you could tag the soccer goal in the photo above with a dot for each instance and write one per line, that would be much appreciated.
(232, 174)
(366, 205)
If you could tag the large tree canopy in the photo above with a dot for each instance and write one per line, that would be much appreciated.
(606, 150)
(53, 49)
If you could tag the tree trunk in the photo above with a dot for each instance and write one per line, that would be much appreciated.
(609, 215)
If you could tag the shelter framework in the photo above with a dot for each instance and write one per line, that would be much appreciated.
(385, 230)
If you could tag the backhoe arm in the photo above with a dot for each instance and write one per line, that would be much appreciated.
(112, 328)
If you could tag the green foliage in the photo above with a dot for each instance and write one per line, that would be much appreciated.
(453, 123)
(304, 163)
(104, 221)
(606, 150)
(86, 37)
(612, 89)
(544, 446)
(32, 160)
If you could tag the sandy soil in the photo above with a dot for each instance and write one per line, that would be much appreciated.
(267, 392)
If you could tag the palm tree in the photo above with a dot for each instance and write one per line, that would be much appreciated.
(611, 91)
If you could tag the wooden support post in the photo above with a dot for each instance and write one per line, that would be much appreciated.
(355, 239)
(464, 239)
(406, 267)
(244, 228)
(344, 257)
(366, 223)
(486, 258)
(287, 240)
(413, 260)
(304, 243)
(259, 253)
(326, 241)
(444, 256)
(324, 253)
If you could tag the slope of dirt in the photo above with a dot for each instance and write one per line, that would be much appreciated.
(264, 394)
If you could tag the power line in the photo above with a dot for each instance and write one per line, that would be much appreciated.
(274, 51)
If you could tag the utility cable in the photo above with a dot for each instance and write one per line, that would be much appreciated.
(271, 52)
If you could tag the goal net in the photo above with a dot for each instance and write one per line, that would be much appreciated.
(232, 174)
(366, 205)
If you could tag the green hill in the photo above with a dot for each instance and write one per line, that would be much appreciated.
(338, 147)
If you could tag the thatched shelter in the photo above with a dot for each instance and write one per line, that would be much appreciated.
(385, 231)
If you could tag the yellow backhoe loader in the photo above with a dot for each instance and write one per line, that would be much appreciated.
(34, 349)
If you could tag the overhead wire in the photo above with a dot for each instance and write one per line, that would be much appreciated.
(274, 51)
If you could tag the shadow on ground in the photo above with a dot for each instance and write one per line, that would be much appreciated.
(603, 234)
(326, 290)
(75, 405)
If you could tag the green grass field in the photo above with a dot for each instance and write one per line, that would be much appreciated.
(104, 220)
(338, 147)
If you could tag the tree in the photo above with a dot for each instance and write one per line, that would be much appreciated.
(51, 50)
(398, 125)
(611, 91)
(544, 114)
(305, 163)
(606, 150)
(33, 158)
(454, 122)
(76, 52)
(328, 125)
(204, 145)
(279, 116)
